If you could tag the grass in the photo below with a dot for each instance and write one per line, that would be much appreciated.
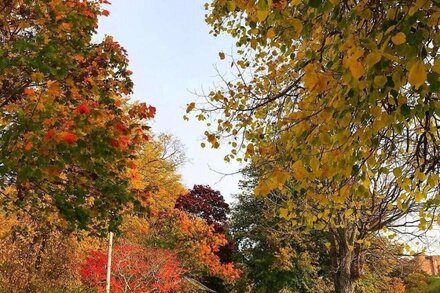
(434, 284)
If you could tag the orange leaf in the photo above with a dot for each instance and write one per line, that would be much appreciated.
(28, 91)
(69, 137)
(28, 146)
(83, 108)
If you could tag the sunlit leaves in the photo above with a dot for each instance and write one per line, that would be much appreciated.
(63, 105)
(339, 101)
(417, 74)
(373, 58)
(399, 38)
(299, 171)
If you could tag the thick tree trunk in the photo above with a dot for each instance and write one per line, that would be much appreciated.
(343, 283)
(346, 262)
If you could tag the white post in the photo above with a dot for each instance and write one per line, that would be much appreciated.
(109, 263)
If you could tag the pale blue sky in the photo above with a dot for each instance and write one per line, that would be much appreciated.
(172, 53)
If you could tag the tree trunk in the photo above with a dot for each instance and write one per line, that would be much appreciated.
(346, 263)
(343, 283)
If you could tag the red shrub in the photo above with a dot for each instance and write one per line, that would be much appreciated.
(134, 269)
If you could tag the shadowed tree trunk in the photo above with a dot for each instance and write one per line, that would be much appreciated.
(346, 256)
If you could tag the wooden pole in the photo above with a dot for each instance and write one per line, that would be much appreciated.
(109, 263)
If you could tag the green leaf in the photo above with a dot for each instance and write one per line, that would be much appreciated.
(315, 3)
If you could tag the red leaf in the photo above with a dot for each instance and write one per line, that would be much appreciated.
(28, 91)
(28, 146)
(51, 134)
(83, 108)
(151, 111)
(121, 127)
(69, 137)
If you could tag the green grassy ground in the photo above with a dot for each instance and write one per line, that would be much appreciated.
(434, 284)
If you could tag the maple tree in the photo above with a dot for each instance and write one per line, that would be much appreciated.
(158, 187)
(336, 101)
(194, 240)
(206, 203)
(67, 129)
(134, 269)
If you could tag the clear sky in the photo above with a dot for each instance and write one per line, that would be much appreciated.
(172, 54)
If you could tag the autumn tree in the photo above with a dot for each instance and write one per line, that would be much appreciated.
(67, 129)
(134, 269)
(194, 240)
(336, 101)
(206, 203)
(275, 255)
(35, 258)
(158, 186)
(154, 176)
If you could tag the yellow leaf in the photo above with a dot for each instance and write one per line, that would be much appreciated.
(436, 67)
(37, 76)
(417, 74)
(262, 188)
(53, 88)
(348, 213)
(66, 25)
(356, 69)
(344, 192)
(231, 5)
(300, 173)
(372, 59)
(419, 196)
(376, 111)
(284, 213)
(399, 38)
(190, 107)
(270, 33)
(279, 177)
(262, 15)
(297, 24)
(250, 149)
(397, 172)
(254, 43)
(314, 163)
(380, 81)
(420, 175)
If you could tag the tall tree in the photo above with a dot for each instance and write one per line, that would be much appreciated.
(276, 256)
(336, 100)
(191, 236)
(206, 203)
(67, 130)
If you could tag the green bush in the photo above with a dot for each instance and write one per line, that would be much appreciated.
(416, 283)
(434, 284)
